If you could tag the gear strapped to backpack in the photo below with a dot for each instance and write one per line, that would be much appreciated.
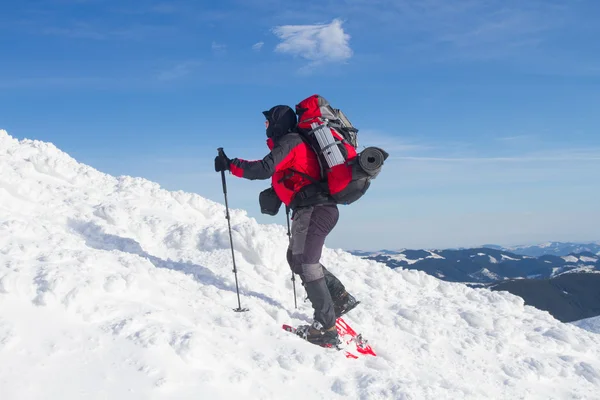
(347, 173)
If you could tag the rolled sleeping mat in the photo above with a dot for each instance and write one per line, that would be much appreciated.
(371, 159)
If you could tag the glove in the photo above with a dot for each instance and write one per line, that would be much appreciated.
(222, 163)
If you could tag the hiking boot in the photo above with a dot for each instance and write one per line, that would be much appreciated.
(318, 335)
(344, 303)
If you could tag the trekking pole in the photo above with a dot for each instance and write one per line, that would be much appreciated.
(239, 309)
(289, 233)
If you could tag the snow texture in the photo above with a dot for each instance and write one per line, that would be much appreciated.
(402, 258)
(570, 259)
(113, 288)
(434, 255)
(486, 272)
(590, 324)
(577, 270)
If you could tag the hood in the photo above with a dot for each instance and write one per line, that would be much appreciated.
(282, 120)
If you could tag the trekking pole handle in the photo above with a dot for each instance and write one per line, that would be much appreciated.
(221, 152)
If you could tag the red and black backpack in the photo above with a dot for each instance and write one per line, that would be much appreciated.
(345, 172)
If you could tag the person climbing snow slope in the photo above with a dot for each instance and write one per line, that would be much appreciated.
(295, 173)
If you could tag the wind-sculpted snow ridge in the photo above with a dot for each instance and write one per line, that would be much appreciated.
(115, 288)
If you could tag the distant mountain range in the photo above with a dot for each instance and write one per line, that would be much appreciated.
(567, 286)
(551, 248)
(485, 265)
(568, 297)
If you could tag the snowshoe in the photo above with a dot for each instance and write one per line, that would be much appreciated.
(316, 334)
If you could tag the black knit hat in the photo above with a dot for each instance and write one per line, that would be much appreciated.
(282, 120)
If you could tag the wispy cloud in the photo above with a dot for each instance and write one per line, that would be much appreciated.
(84, 30)
(164, 8)
(322, 43)
(79, 30)
(515, 138)
(556, 155)
(70, 82)
(391, 144)
(218, 47)
(473, 174)
(258, 46)
(498, 32)
(515, 159)
(466, 30)
(179, 71)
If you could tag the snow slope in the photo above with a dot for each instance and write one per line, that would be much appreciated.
(590, 324)
(114, 288)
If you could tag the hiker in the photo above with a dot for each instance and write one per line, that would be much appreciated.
(295, 173)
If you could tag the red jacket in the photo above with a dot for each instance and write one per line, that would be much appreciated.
(289, 165)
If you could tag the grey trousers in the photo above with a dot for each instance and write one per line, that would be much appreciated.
(310, 227)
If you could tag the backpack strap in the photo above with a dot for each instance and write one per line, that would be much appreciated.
(330, 124)
(321, 183)
(307, 142)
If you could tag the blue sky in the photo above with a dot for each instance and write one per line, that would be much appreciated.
(490, 109)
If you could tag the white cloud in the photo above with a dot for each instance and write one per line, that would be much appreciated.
(258, 46)
(317, 43)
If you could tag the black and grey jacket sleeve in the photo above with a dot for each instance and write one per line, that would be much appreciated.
(280, 156)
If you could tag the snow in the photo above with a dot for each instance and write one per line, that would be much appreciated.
(586, 268)
(486, 272)
(402, 258)
(493, 260)
(505, 257)
(434, 255)
(588, 259)
(589, 324)
(570, 259)
(386, 253)
(111, 287)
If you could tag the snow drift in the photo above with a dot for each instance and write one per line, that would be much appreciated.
(114, 288)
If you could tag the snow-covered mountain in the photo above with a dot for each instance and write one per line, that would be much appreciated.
(567, 297)
(552, 248)
(484, 265)
(590, 324)
(111, 287)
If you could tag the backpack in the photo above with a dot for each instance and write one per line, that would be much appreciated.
(346, 173)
